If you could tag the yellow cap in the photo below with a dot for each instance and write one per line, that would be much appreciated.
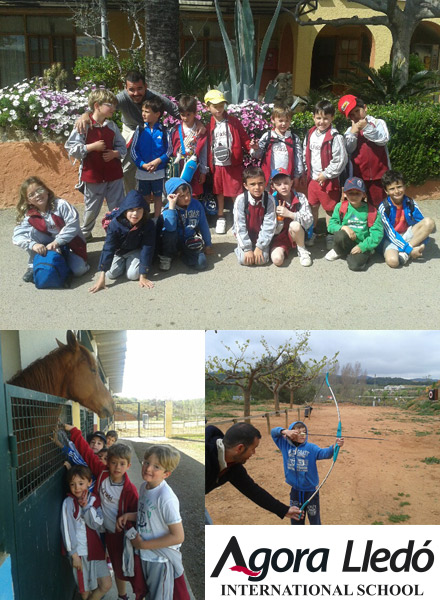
(214, 97)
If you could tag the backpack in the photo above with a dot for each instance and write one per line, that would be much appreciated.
(270, 141)
(51, 271)
(372, 212)
(108, 217)
(347, 171)
(410, 203)
(246, 202)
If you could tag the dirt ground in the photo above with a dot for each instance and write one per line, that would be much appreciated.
(371, 481)
(188, 483)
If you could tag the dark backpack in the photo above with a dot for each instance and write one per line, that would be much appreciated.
(410, 203)
(270, 141)
(246, 202)
(51, 271)
(372, 212)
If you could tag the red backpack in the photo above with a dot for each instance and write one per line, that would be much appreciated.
(372, 212)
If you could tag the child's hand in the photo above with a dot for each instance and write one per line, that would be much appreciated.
(200, 128)
(321, 178)
(96, 146)
(138, 543)
(145, 283)
(152, 166)
(109, 155)
(55, 440)
(67, 427)
(121, 522)
(76, 562)
(259, 258)
(340, 442)
(82, 123)
(52, 246)
(40, 249)
(82, 501)
(172, 201)
(208, 250)
(356, 250)
(282, 210)
(249, 258)
(202, 178)
(99, 285)
(349, 231)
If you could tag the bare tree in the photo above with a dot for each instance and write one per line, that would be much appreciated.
(400, 18)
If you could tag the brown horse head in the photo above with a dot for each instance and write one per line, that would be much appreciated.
(70, 372)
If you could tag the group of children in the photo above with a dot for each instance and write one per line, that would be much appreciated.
(347, 175)
(103, 512)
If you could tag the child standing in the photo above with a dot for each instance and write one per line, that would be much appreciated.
(325, 158)
(189, 143)
(300, 471)
(406, 230)
(183, 228)
(100, 151)
(129, 244)
(254, 219)
(294, 217)
(81, 521)
(159, 526)
(45, 222)
(357, 227)
(280, 148)
(150, 150)
(117, 494)
(366, 141)
(227, 139)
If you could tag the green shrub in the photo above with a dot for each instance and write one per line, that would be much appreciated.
(106, 71)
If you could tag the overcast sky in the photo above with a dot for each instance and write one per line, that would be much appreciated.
(164, 365)
(405, 353)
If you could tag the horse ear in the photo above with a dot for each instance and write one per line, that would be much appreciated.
(60, 344)
(72, 342)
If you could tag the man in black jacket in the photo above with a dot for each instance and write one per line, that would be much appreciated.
(225, 455)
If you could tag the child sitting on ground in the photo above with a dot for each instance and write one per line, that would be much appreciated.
(159, 526)
(325, 158)
(356, 225)
(129, 244)
(254, 219)
(100, 151)
(302, 475)
(190, 144)
(45, 222)
(150, 151)
(183, 228)
(366, 142)
(406, 230)
(118, 495)
(294, 217)
(227, 139)
(81, 521)
(280, 148)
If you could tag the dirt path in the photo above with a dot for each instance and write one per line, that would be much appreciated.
(371, 481)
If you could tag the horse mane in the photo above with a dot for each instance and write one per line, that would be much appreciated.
(43, 374)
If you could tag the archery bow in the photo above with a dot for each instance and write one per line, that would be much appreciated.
(335, 451)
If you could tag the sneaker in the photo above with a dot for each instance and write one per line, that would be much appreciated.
(332, 255)
(329, 241)
(164, 263)
(311, 240)
(403, 258)
(221, 225)
(305, 259)
(28, 277)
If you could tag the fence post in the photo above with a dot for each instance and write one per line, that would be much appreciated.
(287, 418)
(76, 415)
(268, 422)
(299, 415)
(168, 418)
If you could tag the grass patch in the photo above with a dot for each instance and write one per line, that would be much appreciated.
(398, 518)
(404, 504)
(422, 433)
(431, 460)
(377, 523)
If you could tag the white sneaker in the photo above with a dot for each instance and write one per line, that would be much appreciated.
(329, 241)
(164, 263)
(403, 258)
(305, 259)
(332, 255)
(311, 240)
(221, 225)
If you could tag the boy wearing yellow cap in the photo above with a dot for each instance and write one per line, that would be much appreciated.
(227, 139)
(366, 142)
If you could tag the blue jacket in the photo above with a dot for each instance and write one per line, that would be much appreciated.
(300, 461)
(194, 218)
(122, 237)
(148, 145)
(389, 221)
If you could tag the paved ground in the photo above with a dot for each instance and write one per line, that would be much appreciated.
(179, 487)
(227, 296)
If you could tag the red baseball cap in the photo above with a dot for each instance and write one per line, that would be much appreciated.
(346, 104)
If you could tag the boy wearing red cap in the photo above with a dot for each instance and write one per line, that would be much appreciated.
(366, 142)
(356, 225)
